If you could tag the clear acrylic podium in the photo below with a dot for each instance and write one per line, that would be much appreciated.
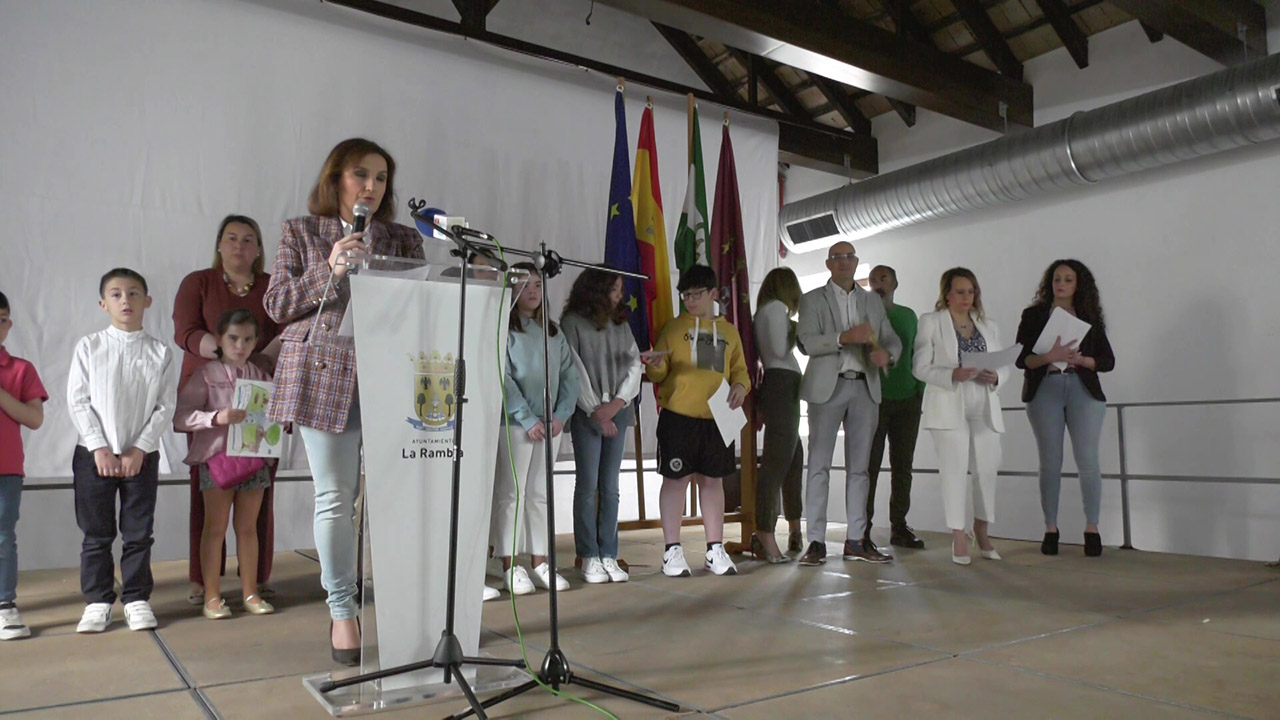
(404, 318)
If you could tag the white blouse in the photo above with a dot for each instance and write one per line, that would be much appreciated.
(775, 342)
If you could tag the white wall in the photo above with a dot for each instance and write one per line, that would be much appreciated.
(1185, 257)
(129, 129)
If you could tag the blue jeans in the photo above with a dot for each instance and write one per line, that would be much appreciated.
(335, 470)
(10, 497)
(1063, 402)
(598, 463)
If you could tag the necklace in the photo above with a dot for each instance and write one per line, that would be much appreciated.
(240, 291)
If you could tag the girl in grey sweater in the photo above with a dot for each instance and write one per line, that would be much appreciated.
(596, 328)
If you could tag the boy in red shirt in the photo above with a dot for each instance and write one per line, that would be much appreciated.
(21, 403)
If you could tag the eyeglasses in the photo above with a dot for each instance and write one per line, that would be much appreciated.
(694, 294)
(843, 256)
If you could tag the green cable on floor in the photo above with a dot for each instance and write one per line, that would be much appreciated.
(506, 428)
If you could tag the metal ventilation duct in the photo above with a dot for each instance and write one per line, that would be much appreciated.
(1224, 110)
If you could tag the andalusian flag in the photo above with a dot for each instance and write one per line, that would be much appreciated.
(620, 247)
(651, 229)
(692, 245)
(731, 254)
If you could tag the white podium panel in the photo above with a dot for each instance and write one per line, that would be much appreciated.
(406, 341)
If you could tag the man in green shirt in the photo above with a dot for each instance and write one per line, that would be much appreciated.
(901, 394)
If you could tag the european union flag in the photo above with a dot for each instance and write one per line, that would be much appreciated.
(620, 248)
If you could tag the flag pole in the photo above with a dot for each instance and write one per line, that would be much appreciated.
(689, 135)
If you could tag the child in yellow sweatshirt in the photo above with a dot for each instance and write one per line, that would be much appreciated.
(696, 352)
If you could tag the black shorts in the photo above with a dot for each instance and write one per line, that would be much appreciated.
(692, 445)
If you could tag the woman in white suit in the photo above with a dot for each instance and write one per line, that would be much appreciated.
(961, 408)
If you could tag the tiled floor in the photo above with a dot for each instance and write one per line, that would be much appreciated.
(1127, 635)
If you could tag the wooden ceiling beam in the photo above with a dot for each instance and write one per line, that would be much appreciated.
(687, 48)
(1073, 39)
(992, 42)
(824, 41)
(839, 99)
(1229, 31)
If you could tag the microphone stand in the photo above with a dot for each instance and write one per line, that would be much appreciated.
(448, 654)
(555, 670)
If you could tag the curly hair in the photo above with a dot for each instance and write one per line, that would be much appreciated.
(1086, 302)
(589, 297)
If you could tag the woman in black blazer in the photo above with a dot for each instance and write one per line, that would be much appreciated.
(1062, 391)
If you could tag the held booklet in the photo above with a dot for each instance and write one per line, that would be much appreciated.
(256, 436)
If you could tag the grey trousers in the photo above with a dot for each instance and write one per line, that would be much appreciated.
(852, 406)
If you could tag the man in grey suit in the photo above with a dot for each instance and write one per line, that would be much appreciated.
(846, 334)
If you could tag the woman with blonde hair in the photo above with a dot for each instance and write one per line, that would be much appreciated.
(783, 467)
(234, 281)
(961, 407)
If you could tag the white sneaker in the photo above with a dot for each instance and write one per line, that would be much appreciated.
(96, 618)
(593, 571)
(718, 561)
(673, 564)
(491, 593)
(517, 581)
(139, 615)
(615, 572)
(11, 625)
(542, 576)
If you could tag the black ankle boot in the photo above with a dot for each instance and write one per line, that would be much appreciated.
(1092, 544)
(1049, 546)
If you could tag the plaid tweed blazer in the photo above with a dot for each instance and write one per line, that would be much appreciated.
(315, 379)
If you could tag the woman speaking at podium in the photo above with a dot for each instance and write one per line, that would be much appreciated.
(316, 375)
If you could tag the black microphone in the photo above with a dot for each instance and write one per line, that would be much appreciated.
(361, 213)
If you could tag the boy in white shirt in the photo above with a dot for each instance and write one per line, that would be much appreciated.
(121, 391)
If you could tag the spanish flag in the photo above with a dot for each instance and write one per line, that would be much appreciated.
(651, 233)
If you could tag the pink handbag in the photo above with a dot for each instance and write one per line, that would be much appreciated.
(228, 471)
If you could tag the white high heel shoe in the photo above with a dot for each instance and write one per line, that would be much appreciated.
(960, 559)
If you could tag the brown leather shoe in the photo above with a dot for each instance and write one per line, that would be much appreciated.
(864, 551)
(815, 555)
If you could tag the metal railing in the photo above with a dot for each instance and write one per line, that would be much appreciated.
(1124, 476)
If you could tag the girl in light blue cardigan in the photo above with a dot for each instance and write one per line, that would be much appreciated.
(524, 381)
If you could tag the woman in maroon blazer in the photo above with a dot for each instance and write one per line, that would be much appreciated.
(235, 281)
(315, 379)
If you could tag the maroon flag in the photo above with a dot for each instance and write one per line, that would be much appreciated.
(730, 253)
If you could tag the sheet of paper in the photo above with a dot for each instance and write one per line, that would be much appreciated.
(1062, 324)
(256, 436)
(729, 421)
(991, 360)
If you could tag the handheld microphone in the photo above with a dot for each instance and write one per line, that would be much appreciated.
(361, 213)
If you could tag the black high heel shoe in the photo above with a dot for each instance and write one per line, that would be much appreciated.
(350, 658)
(758, 549)
(1049, 546)
(1092, 544)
